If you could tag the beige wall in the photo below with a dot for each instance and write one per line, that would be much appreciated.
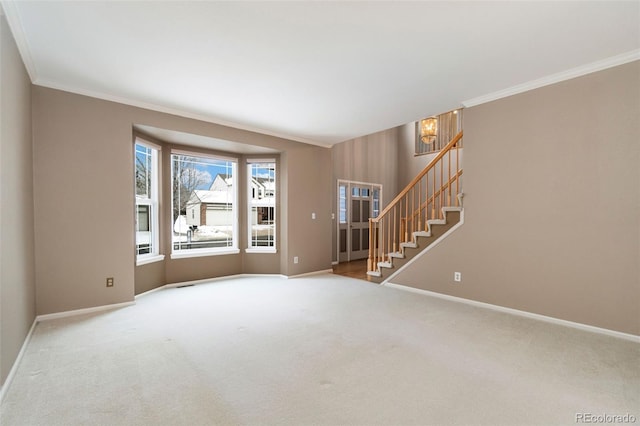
(309, 239)
(84, 220)
(17, 280)
(149, 276)
(552, 204)
(371, 159)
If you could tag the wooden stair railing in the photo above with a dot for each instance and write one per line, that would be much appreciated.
(438, 185)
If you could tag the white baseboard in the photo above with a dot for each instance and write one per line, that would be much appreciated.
(307, 274)
(5, 386)
(206, 281)
(539, 317)
(211, 280)
(262, 275)
(197, 282)
(75, 312)
(145, 293)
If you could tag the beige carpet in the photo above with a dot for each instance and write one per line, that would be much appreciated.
(323, 350)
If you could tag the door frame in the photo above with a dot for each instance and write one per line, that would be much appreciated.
(348, 183)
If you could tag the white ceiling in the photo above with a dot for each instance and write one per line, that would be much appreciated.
(317, 72)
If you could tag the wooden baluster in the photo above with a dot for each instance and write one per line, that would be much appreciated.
(406, 216)
(433, 196)
(376, 255)
(419, 207)
(388, 248)
(376, 240)
(380, 241)
(379, 246)
(440, 195)
(457, 174)
(382, 234)
(449, 180)
(426, 200)
(375, 248)
(381, 226)
(395, 227)
(416, 206)
(371, 245)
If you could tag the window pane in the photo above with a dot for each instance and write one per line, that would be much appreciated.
(342, 208)
(146, 160)
(262, 223)
(204, 214)
(143, 171)
(144, 239)
(143, 218)
(376, 203)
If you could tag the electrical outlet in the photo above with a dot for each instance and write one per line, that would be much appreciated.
(295, 259)
(110, 282)
(313, 216)
(457, 276)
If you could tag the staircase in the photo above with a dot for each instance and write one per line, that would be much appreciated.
(421, 213)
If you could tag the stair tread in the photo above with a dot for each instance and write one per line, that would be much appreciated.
(410, 245)
(422, 234)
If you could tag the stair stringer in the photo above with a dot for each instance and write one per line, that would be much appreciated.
(414, 244)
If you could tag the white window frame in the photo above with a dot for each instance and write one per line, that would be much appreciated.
(209, 251)
(250, 247)
(153, 203)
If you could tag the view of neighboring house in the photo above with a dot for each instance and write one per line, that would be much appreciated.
(209, 213)
(262, 201)
(206, 207)
(212, 207)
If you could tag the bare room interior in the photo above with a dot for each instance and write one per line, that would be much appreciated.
(395, 213)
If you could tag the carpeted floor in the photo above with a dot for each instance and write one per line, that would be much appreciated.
(322, 350)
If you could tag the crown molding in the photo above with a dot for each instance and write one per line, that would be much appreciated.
(173, 111)
(603, 64)
(19, 35)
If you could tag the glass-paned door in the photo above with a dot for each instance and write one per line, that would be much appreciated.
(357, 202)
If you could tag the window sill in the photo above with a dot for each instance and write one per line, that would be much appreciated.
(261, 250)
(197, 253)
(149, 259)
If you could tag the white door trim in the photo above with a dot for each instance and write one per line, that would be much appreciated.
(348, 183)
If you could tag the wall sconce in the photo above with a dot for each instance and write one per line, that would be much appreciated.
(428, 130)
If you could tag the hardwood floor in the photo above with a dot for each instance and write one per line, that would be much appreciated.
(353, 269)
